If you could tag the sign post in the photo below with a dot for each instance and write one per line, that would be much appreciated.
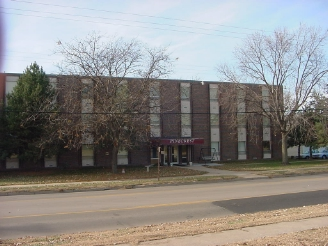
(159, 158)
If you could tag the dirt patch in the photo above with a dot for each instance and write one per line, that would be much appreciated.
(188, 228)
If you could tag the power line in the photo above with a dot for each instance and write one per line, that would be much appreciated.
(144, 22)
(149, 16)
(107, 23)
(24, 52)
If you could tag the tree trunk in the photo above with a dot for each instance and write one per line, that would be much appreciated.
(284, 149)
(114, 159)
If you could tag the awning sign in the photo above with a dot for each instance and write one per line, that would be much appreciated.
(180, 141)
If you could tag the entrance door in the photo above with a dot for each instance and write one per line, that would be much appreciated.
(173, 153)
(184, 154)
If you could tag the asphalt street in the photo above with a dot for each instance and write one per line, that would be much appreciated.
(268, 203)
(49, 214)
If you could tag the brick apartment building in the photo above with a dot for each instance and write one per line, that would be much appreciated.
(194, 129)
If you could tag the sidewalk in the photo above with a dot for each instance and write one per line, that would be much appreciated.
(214, 172)
(240, 235)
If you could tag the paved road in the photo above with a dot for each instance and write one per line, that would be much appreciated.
(48, 214)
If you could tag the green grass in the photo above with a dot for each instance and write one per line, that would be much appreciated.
(56, 180)
(21, 177)
(102, 178)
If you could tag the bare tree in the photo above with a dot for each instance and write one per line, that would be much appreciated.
(104, 93)
(288, 65)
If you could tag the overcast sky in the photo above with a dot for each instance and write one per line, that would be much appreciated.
(199, 34)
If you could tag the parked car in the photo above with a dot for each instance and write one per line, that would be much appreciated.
(306, 155)
(323, 154)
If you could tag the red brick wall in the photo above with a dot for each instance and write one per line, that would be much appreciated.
(102, 157)
(70, 158)
(171, 127)
(140, 156)
(228, 137)
(200, 116)
(170, 109)
(254, 137)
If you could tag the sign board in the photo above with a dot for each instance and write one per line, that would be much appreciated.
(179, 141)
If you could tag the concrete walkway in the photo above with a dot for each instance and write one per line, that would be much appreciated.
(214, 171)
(241, 235)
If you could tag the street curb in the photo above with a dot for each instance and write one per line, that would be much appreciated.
(124, 187)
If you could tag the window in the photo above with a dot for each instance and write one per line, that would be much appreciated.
(154, 155)
(185, 91)
(87, 155)
(155, 122)
(265, 92)
(50, 161)
(154, 119)
(241, 94)
(241, 119)
(186, 131)
(185, 106)
(11, 82)
(266, 147)
(242, 136)
(265, 98)
(87, 106)
(87, 138)
(122, 157)
(86, 118)
(216, 146)
(154, 90)
(241, 148)
(155, 131)
(185, 120)
(214, 119)
(266, 134)
(213, 93)
(12, 162)
(215, 150)
(241, 107)
(155, 109)
(185, 125)
(266, 121)
(87, 89)
(154, 106)
(154, 152)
